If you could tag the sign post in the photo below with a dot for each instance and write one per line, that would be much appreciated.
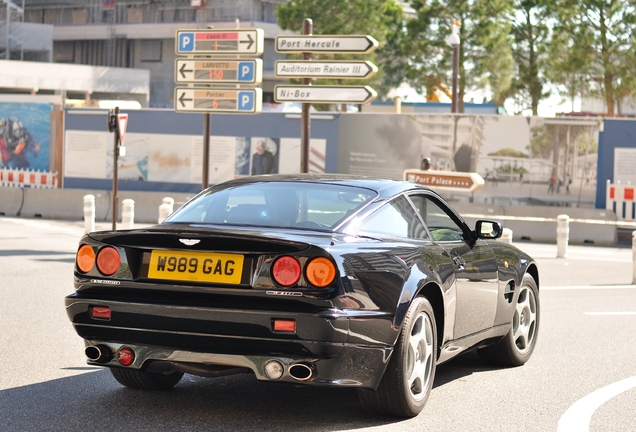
(206, 67)
(306, 69)
(114, 126)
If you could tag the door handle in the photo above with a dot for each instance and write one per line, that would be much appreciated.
(458, 262)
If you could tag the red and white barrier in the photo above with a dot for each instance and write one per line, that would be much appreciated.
(16, 177)
(620, 199)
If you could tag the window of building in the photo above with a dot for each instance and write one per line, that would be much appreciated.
(64, 52)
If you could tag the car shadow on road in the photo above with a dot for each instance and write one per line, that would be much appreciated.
(461, 366)
(95, 401)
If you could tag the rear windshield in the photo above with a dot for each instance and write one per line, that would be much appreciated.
(275, 204)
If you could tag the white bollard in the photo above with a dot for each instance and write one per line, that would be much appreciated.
(166, 208)
(634, 257)
(563, 235)
(506, 236)
(128, 214)
(89, 213)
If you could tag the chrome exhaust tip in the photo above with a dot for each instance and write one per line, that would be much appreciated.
(301, 371)
(99, 353)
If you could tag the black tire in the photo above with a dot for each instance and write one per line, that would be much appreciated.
(517, 346)
(408, 379)
(136, 379)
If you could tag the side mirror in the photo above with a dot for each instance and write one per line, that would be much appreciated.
(489, 230)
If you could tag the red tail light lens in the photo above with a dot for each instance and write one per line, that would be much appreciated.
(100, 312)
(85, 258)
(320, 272)
(125, 356)
(286, 271)
(108, 260)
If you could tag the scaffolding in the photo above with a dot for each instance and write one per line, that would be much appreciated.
(11, 20)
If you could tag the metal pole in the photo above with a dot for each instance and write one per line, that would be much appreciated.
(454, 107)
(115, 156)
(206, 151)
(305, 127)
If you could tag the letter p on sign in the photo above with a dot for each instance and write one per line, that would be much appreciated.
(246, 101)
(186, 42)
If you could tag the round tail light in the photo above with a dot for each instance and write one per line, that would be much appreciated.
(125, 356)
(320, 272)
(108, 260)
(286, 271)
(85, 259)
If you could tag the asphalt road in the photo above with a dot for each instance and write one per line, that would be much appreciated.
(582, 375)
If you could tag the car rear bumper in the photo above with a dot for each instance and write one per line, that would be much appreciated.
(176, 336)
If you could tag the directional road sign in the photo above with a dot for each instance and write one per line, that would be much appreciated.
(242, 42)
(358, 44)
(445, 180)
(324, 94)
(325, 69)
(218, 100)
(219, 71)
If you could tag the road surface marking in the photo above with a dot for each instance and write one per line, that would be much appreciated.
(578, 416)
(610, 313)
(586, 287)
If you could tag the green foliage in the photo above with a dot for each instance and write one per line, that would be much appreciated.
(485, 59)
(508, 152)
(594, 49)
(381, 19)
(531, 43)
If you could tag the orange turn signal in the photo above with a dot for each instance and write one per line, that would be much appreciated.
(85, 258)
(320, 272)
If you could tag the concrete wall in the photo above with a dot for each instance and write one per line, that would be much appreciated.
(538, 223)
(535, 223)
(69, 203)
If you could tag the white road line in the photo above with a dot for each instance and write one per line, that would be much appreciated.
(586, 287)
(609, 313)
(578, 416)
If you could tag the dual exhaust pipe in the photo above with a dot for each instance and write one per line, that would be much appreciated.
(99, 353)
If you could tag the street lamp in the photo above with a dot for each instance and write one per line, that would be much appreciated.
(453, 41)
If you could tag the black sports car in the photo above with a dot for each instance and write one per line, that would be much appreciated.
(315, 279)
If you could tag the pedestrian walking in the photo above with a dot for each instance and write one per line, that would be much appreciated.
(551, 184)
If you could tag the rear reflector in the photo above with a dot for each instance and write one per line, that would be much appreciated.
(125, 356)
(285, 325)
(100, 312)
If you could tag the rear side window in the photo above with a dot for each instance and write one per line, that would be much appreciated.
(395, 219)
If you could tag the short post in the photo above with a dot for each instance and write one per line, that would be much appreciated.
(89, 213)
(128, 214)
(563, 235)
(166, 208)
(634, 257)
(506, 236)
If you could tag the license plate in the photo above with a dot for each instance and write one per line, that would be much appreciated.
(196, 266)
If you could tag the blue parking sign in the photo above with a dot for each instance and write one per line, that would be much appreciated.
(246, 71)
(246, 101)
(186, 42)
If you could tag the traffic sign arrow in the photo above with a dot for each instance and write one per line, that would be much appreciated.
(249, 40)
(183, 70)
(325, 69)
(354, 44)
(324, 94)
(183, 99)
(446, 180)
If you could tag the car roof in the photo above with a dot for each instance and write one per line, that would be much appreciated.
(384, 187)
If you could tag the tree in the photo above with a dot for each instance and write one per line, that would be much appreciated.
(531, 43)
(596, 46)
(485, 59)
(382, 19)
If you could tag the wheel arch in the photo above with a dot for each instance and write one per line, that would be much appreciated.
(433, 293)
(533, 271)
